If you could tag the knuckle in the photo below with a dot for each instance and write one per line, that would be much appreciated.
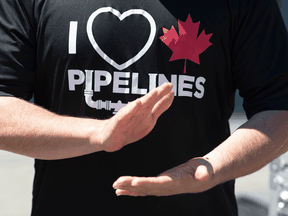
(121, 181)
(138, 103)
(136, 183)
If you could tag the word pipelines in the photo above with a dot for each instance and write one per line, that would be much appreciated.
(127, 83)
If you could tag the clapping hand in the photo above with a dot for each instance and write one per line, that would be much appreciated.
(136, 119)
(191, 177)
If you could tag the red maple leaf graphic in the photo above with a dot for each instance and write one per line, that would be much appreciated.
(186, 45)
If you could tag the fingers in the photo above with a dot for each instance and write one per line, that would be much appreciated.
(138, 118)
(156, 95)
(142, 186)
(120, 192)
(125, 182)
(159, 99)
(162, 105)
(140, 111)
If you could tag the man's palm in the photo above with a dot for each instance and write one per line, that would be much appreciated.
(136, 119)
(192, 177)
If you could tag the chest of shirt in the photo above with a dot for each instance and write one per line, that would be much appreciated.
(130, 47)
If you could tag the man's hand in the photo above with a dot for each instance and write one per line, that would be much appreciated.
(136, 119)
(38, 133)
(194, 176)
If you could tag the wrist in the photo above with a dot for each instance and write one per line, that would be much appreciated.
(94, 132)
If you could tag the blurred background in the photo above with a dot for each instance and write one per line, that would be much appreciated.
(261, 193)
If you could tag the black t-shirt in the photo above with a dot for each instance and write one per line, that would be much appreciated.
(89, 58)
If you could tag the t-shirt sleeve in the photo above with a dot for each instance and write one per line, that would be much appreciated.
(260, 57)
(17, 50)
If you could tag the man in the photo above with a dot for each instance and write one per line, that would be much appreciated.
(85, 60)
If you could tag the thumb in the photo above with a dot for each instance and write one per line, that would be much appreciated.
(201, 173)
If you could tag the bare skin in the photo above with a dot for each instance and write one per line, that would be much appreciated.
(35, 132)
(30, 130)
(178, 180)
(255, 144)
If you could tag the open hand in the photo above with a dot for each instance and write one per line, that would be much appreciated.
(137, 119)
(191, 177)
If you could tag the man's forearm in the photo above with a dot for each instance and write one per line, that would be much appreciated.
(255, 144)
(252, 146)
(30, 130)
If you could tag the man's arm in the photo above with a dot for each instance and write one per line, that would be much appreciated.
(252, 146)
(255, 144)
(30, 130)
